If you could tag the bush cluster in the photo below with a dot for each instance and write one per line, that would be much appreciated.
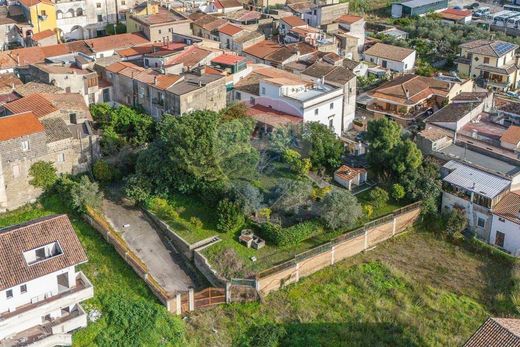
(293, 235)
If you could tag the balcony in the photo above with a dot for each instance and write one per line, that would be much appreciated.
(399, 112)
(82, 291)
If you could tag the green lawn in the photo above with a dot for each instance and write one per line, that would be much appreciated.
(415, 290)
(131, 315)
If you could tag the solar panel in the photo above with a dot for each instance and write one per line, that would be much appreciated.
(503, 47)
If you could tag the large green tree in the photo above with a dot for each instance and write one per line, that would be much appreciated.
(325, 148)
(340, 209)
(383, 136)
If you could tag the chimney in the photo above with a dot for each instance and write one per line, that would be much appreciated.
(155, 80)
(407, 93)
(200, 83)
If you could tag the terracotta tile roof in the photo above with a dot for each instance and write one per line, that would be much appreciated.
(30, 3)
(213, 71)
(348, 19)
(410, 89)
(165, 81)
(191, 56)
(452, 112)
(496, 332)
(389, 52)
(68, 101)
(511, 135)
(37, 87)
(507, 105)
(244, 15)
(209, 22)
(132, 51)
(115, 42)
(56, 129)
(34, 102)
(454, 14)
(230, 29)
(163, 17)
(43, 35)
(19, 125)
(271, 117)
(16, 240)
(221, 4)
(122, 65)
(347, 173)
(509, 207)
(227, 59)
(491, 48)
(262, 48)
(336, 74)
(293, 21)
(302, 31)
(8, 81)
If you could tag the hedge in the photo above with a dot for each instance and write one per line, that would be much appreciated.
(295, 234)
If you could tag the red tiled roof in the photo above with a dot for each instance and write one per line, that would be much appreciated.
(293, 21)
(221, 4)
(227, 59)
(19, 125)
(34, 102)
(230, 29)
(496, 332)
(262, 48)
(106, 43)
(191, 56)
(272, 117)
(455, 14)
(29, 3)
(16, 240)
(511, 135)
(165, 81)
(43, 35)
(348, 19)
(347, 173)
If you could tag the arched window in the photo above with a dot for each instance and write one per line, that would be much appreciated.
(79, 12)
(59, 14)
(70, 13)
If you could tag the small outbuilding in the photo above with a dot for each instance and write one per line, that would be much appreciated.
(349, 177)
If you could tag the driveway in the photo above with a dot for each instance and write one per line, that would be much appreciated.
(168, 268)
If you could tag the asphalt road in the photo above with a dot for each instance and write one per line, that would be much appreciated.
(167, 268)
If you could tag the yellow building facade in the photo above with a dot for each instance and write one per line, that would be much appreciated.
(40, 14)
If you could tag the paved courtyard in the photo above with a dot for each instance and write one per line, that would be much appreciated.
(168, 268)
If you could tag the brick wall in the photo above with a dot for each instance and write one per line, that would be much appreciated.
(328, 254)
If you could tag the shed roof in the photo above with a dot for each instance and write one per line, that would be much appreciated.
(496, 332)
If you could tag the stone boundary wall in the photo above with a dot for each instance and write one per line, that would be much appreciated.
(342, 247)
(98, 222)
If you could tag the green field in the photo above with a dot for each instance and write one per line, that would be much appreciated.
(415, 290)
(130, 314)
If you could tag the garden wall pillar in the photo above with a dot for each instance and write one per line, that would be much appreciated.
(191, 300)
(228, 292)
(178, 306)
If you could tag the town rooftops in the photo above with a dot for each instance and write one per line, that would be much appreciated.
(192, 82)
(230, 29)
(348, 19)
(491, 48)
(511, 135)
(294, 21)
(244, 15)
(470, 97)
(331, 73)
(209, 22)
(389, 52)
(163, 17)
(507, 105)
(222, 4)
(43, 35)
(18, 125)
(17, 240)
(262, 48)
(452, 112)
(190, 57)
(475, 180)
(410, 89)
(227, 59)
(119, 41)
(34, 102)
(496, 332)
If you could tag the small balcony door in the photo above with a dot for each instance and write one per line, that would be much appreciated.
(63, 282)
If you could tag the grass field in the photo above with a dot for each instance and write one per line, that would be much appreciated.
(131, 315)
(415, 290)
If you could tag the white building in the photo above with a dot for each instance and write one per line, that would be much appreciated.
(287, 93)
(394, 58)
(475, 192)
(71, 19)
(505, 232)
(40, 289)
(101, 13)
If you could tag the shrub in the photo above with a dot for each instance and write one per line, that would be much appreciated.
(265, 213)
(43, 175)
(293, 235)
(397, 192)
(230, 217)
(103, 171)
(379, 197)
(456, 222)
(319, 193)
(368, 211)
(162, 208)
(137, 188)
(266, 335)
(86, 193)
(299, 166)
(340, 209)
(196, 222)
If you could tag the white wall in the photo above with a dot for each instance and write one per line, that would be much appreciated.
(511, 231)
(405, 65)
(37, 290)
